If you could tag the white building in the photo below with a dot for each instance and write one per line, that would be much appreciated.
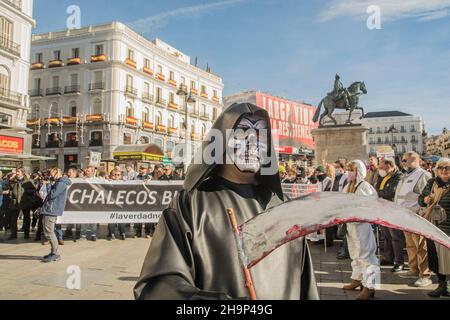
(101, 87)
(16, 24)
(406, 136)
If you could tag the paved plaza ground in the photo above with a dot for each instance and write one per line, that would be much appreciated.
(109, 270)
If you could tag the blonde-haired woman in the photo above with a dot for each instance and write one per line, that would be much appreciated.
(361, 240)
(436, 197)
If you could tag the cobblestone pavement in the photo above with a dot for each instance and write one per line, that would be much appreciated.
(109, 270)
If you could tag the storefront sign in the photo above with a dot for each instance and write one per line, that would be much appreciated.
(11, 144)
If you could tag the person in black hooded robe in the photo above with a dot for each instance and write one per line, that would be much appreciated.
(194, 255)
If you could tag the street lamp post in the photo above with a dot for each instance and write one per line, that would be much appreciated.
(393, 130)
(187, 99)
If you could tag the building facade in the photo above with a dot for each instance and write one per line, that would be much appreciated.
(291, 122)
(16, 24)
(101, 87)
(438, 145)
(401, 131)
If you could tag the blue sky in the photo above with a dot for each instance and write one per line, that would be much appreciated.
(293, 48)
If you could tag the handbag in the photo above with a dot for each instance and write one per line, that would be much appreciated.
(434, 212)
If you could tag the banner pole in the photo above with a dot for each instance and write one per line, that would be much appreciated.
(247, 274)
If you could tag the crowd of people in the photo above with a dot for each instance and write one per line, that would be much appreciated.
(415, 184)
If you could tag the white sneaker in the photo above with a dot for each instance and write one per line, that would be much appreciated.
(408, 275)
(423, 282)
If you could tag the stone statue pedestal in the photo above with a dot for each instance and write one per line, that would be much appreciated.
(341, 142)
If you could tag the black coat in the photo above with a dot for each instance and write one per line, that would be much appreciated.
(444, 203)
(388, 192)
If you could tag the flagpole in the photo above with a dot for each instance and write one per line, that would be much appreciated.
(247, 274)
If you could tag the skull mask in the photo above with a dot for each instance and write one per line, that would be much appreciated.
(248, 144)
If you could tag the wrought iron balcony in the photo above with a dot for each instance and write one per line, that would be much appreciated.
(10, 97)
(129, 90)
(53, 91)
(36, 93)
(9, 46)
(161, 102)
(96, 86)
(72, 89)
(147, 97)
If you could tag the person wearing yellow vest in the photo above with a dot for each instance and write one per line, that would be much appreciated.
(407, 194)
(394, 240)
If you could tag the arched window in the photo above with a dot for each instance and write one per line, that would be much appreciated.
(146, 115)
(72, 112)
(127, 138)
(203, 110)
(171, 121)
(97, 107)
(130, 110)
(96, 139)
(203, 130)
(158, 118)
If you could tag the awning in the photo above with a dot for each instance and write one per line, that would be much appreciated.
(139, 152)
(22, 157)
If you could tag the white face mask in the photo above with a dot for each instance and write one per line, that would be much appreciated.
(248, 143)
(382, 173)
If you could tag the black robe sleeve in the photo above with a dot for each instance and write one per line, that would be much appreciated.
(169, 270)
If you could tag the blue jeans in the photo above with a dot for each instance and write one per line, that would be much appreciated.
(112, 228)
(85, 228)
(58, 232)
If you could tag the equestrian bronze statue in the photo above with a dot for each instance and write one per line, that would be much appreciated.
(341, 98)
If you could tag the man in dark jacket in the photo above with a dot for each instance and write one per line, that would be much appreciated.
(168, 174)
(23, 193)
(394, 240)
(52, 208)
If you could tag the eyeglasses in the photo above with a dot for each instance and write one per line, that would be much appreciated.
(447, 168)
(116, 175)
(404, 161)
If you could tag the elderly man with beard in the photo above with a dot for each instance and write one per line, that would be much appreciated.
(194, 253)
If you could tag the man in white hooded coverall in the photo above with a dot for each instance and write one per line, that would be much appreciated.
(361, 240)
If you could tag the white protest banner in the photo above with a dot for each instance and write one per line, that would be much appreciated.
(102, 201)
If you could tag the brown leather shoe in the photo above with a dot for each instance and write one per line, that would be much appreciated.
(366, 294)
(45, 242)
(61, 242)
(355, 284)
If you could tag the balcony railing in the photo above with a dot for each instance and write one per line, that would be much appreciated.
(161, 102)
(131, 63)
(204, 116)
(37, 66)
(10, 96)
(96, 143)
(70, 120)
(173, 106)
(53, 91)
(161, 128)
(173, 131)
(131, 91)
(160, 77)
(148, 125)
(36, 93)
(15, 3)
(216, 99)
(99, 58)
(172, 82)
(147, 97)
(9, 46)
(94, 118)
(73, 61)
(72, 89)
(131, 121)
(194, 91)
(204, 95)
(55, 64)
(71, 144)
(147, 70)
(96, 86)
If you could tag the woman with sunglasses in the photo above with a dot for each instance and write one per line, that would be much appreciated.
(436, 197)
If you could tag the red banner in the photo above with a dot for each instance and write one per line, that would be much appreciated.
(11, 144)
(291, 121)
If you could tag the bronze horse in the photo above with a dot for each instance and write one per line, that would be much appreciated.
(355, 90)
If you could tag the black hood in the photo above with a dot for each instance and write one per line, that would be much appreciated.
(199, 171)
